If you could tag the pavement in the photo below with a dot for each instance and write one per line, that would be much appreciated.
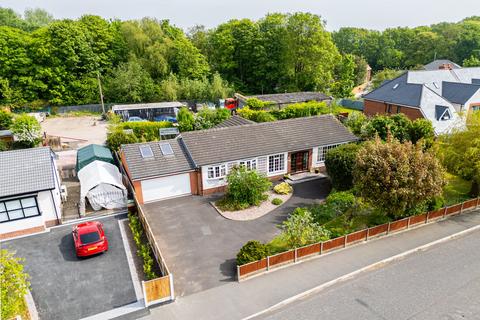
(440, 283)
(66, 287)
(200, 246)
(240, 300)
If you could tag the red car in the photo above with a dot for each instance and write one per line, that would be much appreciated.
(89, 238)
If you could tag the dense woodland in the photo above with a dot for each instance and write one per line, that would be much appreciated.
(44, 61)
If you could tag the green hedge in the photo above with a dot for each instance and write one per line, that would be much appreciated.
(143, 248)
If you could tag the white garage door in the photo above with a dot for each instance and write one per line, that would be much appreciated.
(166, 187)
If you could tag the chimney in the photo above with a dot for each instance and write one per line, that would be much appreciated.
(446, 66)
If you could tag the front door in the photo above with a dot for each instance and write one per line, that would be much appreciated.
(299, 161)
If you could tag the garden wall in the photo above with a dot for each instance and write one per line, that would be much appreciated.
(316, 249)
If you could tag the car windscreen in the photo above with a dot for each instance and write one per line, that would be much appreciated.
(87, 238)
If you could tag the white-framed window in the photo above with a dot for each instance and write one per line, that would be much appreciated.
(16, 209)
(276, 163)
(322, 151)
(250, 164)
(216, 172)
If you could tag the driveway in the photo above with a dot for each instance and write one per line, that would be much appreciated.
(200, 246)
(65, 287)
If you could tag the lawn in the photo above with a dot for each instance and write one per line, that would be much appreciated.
(456, 190)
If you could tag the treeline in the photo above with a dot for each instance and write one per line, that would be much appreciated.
(410, 48)
(57, 62)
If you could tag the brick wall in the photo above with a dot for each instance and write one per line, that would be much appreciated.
(374, 107)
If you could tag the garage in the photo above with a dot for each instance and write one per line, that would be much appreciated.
(166, 187)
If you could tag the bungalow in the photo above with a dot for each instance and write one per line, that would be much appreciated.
(439, 95)
(198, 162)
(30, 191)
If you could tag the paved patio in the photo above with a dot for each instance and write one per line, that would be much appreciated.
(200, 246)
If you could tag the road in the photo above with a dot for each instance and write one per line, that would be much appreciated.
(440, 283)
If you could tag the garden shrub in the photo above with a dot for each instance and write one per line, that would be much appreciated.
(340, 163)
(145, 130)
(13, 285)
(244, 188)
(257, 104)
(322, 213)
(256, 115)
(252, 251)
(277, 201)
(6, 119)
(143, 248)
(118, 137)
(300, 229)
(283, 188)
(341, 201)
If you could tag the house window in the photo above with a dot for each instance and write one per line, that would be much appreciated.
(215, 172)
(322, 151)
(18, 209)
(249, 164)
(476, 108)
(276, 163)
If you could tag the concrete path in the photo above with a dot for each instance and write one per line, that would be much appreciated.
(239, 300)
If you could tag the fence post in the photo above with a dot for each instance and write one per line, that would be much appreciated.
(388, 229)
(426, 218)
(444, 212)
(408, 222)
(144, 293)
(268, 263)
(461, 208)
(238, 272)
(345, 241)
(478, 202)
(321, 248)
(172, 290)
(295, 256)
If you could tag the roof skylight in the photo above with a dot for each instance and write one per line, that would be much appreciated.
(146, 151)
(166, 149)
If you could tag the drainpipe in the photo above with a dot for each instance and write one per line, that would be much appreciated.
(54, 206)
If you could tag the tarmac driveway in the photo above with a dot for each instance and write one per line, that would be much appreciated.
(200, 246)
(65, 287)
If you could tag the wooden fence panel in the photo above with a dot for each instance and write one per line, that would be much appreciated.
(375, 231)
(252, 267)
(454, 209)
(436, 214)
(357, 236)
(470, 204)
(157, 289)
(399, 225)
(282, 257)
(308, 250)
(334, 243)
(421, 218)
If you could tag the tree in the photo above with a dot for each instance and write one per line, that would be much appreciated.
(245, 188)
(380, 77)
(397, 177)
(186, 120)
(345, 77)
(27, 130)
(6, 119)
(36, 18)
(355, 122)
(13, 285)
(300, 229)
(460, 152)
(340, 163)
(473, 61)
(422, 129)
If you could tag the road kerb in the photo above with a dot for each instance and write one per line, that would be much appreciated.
(370, 267)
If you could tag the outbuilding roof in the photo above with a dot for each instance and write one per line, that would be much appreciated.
(25, 171)
(292, 97)
(233, 121)
(93, 152)
(153, 105)
(437, 64)
(240, 142)
(157, 164)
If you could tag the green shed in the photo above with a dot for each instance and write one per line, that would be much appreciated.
(93, 152)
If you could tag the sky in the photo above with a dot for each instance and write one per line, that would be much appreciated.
(372, 14)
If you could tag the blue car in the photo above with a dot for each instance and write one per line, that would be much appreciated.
(135, 119)
(165, 118)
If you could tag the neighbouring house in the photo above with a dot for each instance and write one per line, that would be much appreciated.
(156, 111)
(198, 162)
(442, 96)
(281, 100)
(30, 191)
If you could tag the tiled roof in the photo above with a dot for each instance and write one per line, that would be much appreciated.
(435, 65)
(153, 105)
(397, 91)
(292, 97)
(240, 142)
(459, 92)
(233, 121)
(159, 164)
(26, 170)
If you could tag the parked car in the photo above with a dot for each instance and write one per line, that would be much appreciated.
(168, 118)
(135, 119)
(89, 238)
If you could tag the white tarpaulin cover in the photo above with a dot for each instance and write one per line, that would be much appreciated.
(101, 183)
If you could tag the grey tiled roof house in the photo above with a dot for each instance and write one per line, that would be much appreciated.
(197, 162)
